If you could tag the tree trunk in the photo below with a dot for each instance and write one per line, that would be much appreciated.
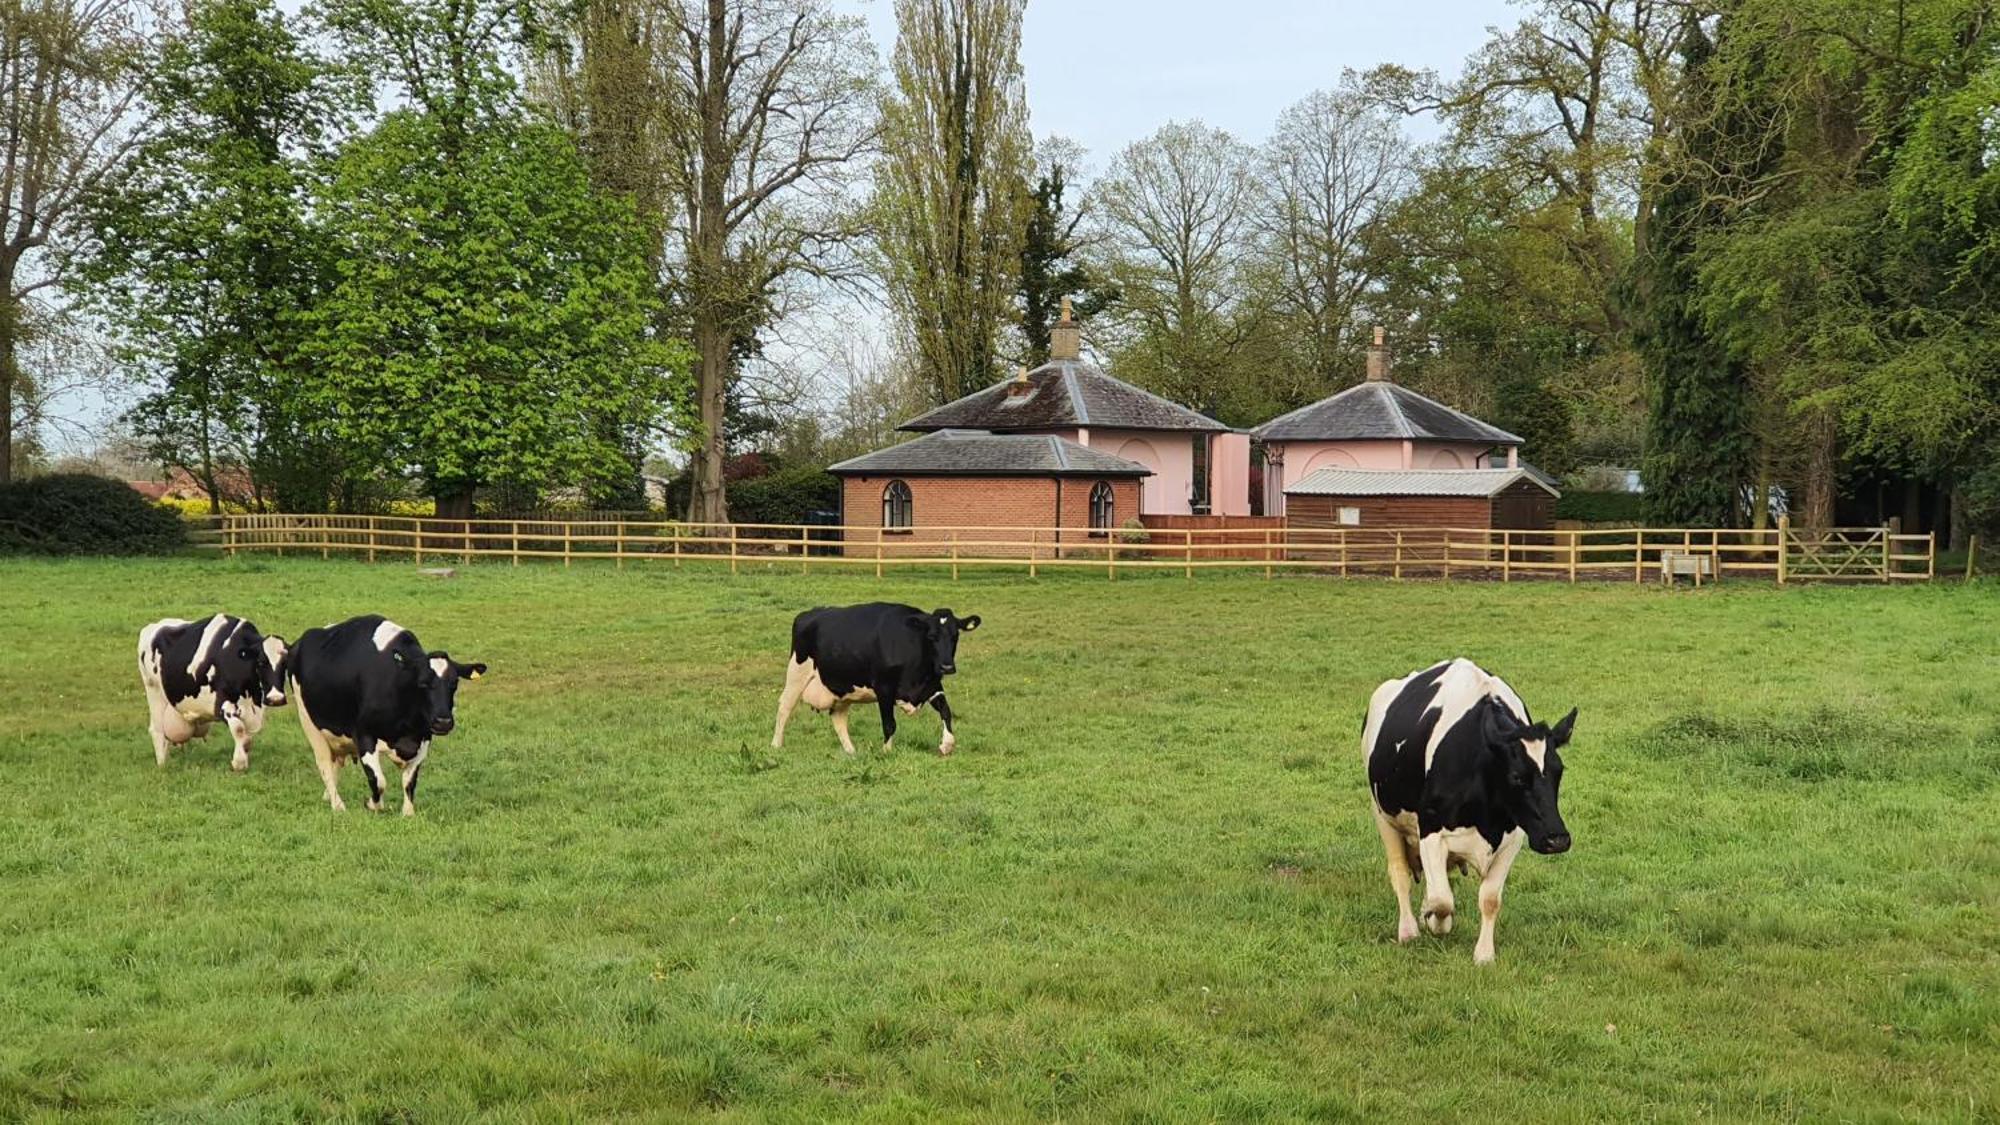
(708, 500)
(453, 501)
(1820, 470)
(9, 370)
(1760, 497)
(1955, 519)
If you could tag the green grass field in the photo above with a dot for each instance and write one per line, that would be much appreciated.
(1146, 887)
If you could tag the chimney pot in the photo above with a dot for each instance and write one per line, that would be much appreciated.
(1378, 358)
(1065, 336)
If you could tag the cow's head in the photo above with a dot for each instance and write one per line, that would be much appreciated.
(442, 674)
(940, 629)
(1530, 770)
(271, 670)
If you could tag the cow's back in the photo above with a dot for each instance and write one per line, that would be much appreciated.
(852, 644)
(327, 670)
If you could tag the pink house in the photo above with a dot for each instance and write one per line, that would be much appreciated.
(1377, 425)
(1197, 465)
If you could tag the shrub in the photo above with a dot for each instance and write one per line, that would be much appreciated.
(1601, 507)
(1133, 531)
(788, 496)
(80, 514)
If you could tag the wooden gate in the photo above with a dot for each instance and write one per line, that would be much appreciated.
(1854, 554)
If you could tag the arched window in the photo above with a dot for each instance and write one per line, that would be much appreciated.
(1101, 505)
(896, 508)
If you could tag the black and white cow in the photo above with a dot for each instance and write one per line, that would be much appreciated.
(366, 684)
(1461, 777)
(197, 673)
(892, 655)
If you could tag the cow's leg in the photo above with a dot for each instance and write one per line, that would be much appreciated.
(329, 766)
(369, 752)
(1432, 853)
(240, 735)
(1490, 886)
(410, 770)
(840, 726)
(1399, 875)
(798, 674)
(949, 740)
(885, 700)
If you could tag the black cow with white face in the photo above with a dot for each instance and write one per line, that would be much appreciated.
(1461, 777)
(198, 673)
(893, 655)
(364, 685)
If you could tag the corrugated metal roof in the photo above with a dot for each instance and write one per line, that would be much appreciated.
(980, 453)
(1414, 482)
(1064, 393)
(1379, 411)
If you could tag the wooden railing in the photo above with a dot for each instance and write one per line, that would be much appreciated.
(1780, 554)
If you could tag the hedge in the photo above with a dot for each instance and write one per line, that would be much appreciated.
(788, 496)
(80, 514)
(1601, 507)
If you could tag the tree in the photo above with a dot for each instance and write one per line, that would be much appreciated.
(490, 318)
(948, 195)
(69, 72)
(777, 100)
(1174, 210)
(1697, 459)
(1052, 243)
(204, 254)
(1334, 164)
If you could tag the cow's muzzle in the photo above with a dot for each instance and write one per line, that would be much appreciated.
(1552, 845)
(274, 698)
(444, 725)
(948, 669)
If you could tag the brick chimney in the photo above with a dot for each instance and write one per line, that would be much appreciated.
(1065, 337)
(1378, 359)
(1020, 386)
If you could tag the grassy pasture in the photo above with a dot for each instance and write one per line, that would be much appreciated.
(1145, 888)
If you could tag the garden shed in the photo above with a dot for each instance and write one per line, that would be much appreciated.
(1517, 499)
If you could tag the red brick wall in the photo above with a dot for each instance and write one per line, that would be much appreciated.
(1003, 503)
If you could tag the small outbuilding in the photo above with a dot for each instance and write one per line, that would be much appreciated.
(1518, 499)
(954, 478)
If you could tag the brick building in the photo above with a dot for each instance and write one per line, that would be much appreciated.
(905, 496)
(1197, 465)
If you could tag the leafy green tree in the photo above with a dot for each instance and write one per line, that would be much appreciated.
(1052, 264)
(204, 254)
(490, 310)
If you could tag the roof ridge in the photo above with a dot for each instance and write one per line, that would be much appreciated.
(1062, 455)
(1076, 404)
(1403, 426)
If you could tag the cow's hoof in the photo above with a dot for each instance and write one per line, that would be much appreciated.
(1438, 921)
(239, 764)
(944, 751)
(409, 810)
(374, 806)
(1406, 930)
(1482, 956)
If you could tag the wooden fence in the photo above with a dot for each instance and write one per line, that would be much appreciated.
(1781, 554)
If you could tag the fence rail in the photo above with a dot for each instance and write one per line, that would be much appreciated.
(1781, 554)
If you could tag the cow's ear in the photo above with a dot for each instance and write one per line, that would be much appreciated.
(1498, 724)
(968, 624)
(1559, 735)
(473, 671)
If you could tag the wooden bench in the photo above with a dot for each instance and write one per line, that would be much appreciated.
(1695, 564)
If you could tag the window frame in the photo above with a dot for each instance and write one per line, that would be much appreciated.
(890, 499)
(1110, 494)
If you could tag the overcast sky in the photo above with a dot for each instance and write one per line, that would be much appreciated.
(1107, 72)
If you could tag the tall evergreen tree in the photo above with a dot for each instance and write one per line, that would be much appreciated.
(1698, 449)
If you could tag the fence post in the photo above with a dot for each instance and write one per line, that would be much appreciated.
(1638, 555)
(465, 542)
(1190, 552)
(1930, 555)
(1034, 548)
(732, 548)
(805, 547)
(1396, 569)
(676, 529)
(1784, 529)
(1506, 555)
(1575, 542)
(954, 554)
(1343, 552)
(1888, 549)
(1971, 553)
(1267, 552)
(878, 552)
(514, 540)
(618, 548)
(566, 529)
(417, 538)
(1111, 554)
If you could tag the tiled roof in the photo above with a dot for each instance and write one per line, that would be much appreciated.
(1380, 410)
(978, 453)
(1062, 393)
(1414, 482)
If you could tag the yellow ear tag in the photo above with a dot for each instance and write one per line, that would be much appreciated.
(473, 676)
